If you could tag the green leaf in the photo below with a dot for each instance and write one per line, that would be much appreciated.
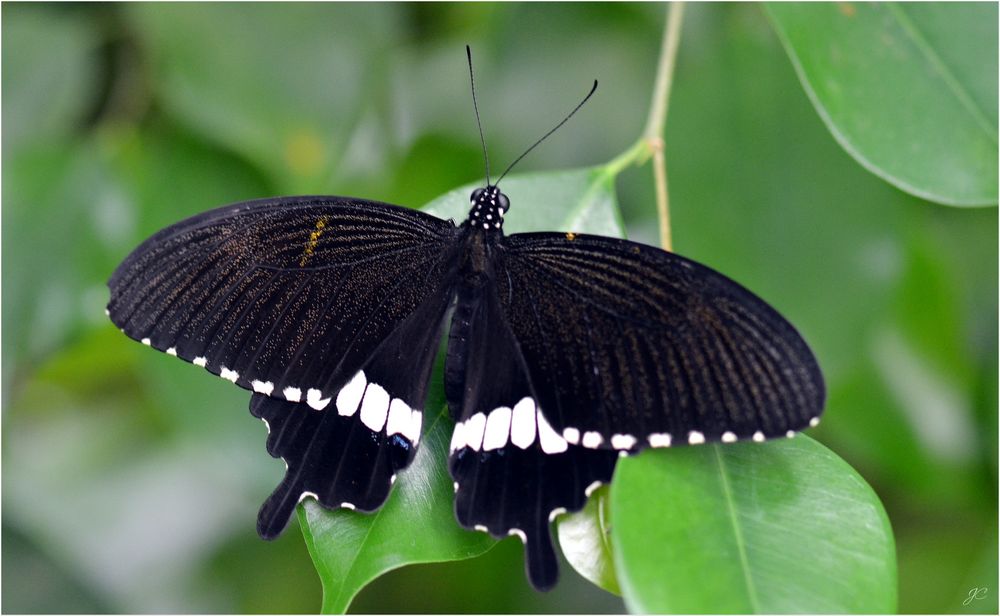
(585, 539)
(746, 528)
(581, 200)
(910, 91)
(417, 523)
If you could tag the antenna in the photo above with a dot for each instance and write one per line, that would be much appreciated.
(566, 119)
(472, 80)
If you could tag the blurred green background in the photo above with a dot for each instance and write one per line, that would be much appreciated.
(131, 481)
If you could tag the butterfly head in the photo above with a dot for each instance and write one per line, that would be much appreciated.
(488, 207)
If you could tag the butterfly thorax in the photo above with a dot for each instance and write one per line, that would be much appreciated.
(488, 207)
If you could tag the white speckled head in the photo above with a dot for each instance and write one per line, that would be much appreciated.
(488, 207)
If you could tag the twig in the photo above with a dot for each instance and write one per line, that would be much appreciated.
(654, 131)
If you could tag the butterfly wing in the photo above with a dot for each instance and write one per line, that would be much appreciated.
(578, 349)
(329, 309)
(629, 346)
(513, 473)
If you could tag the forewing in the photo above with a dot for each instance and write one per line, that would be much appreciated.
(329, 309)
(629, 346)
(286, 297)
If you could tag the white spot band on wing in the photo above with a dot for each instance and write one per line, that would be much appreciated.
(522, 423)
(262, 387)
(474, 428)
(315, 399)
(399, 418)
(350, 395)
(623, 441)
(375, 407)
(497, 429)
(659, 439)
(592, 440)
(548, 438)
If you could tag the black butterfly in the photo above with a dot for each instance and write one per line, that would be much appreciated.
(565, 350)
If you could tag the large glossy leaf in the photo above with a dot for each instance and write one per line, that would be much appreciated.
(781, 527)
(585, 538)
(417, 524)
(909, 90)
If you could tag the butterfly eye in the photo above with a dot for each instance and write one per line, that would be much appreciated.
(477, 193)
(504, 202)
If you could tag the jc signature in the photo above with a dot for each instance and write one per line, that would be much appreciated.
(975, 594)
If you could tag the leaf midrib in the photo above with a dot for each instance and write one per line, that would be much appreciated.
(737, 532)
(964, 98)
(375, 521)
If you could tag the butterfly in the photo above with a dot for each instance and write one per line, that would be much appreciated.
(565, 351)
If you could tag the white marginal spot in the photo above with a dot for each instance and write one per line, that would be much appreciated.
(592, 440)
(266, 425)
(416, 422)
(456, 487)
(623, 441)
(200, 361)
(392, 479)
(590, 489)
(558, 511)
(522, 423)
(481, 528)
(315, 399)
(790, 434)
(572, 436)
(348, 506)
(758, 436)
(474, 428)
(229, 375)
(458, 440)
(292, 394)
(548, 438)
(107, 312)
(519, 533)
(814, 422)
(147, 342)
(660, 439)
(172, 351)
(350, 395)
(375, 407)
(306, 495)
(399, 418)
(695, 437)
(497, 429)
(728, 437)
(262, 387)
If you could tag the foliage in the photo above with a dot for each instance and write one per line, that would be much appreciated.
(131, 480)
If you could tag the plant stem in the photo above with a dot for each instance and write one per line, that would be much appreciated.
(653, 134)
